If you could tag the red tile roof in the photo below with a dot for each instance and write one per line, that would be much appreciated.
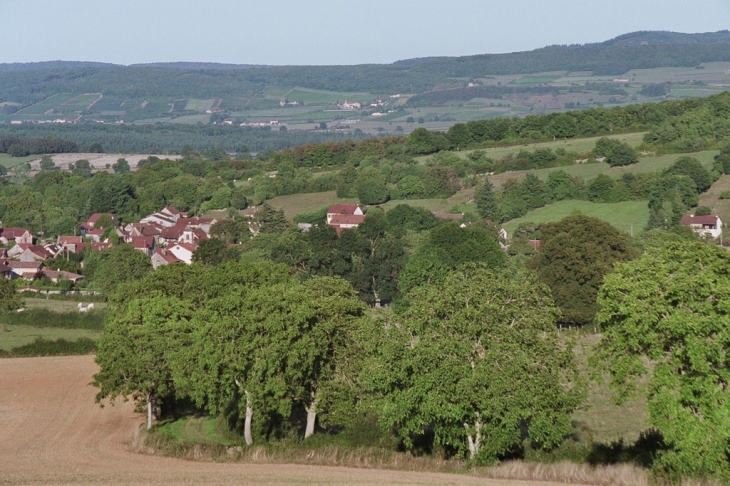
(54, 274)
(12, 233)
(687, 220)
(347, 219)
(167, 255)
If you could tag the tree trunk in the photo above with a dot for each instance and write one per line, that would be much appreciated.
(474, 441)
(149, 411)
(247, 424)
(311, 417)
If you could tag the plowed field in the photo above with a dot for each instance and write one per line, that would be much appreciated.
(52, 432)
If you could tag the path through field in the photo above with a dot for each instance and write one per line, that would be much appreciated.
(52, 432)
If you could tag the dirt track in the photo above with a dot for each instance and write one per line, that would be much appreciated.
(52, 432)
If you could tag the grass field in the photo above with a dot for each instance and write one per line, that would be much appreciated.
(319, 96)
(590, 171)
(58, 305)
(47, 104)
(12, 336)
(303, 203)
(9, 161)
(711, 198)
(628, 216)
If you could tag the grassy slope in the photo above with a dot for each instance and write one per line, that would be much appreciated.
(622, 215)
(58, 305)
(711, 198)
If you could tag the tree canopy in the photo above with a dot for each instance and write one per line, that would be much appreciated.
(670, 307)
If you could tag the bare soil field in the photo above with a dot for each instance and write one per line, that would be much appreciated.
(52, 432)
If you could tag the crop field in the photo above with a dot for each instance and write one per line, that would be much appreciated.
(54, 433)
(79, 103)
(199, 105)
(48, 104)
(314, 96)
(627, 216)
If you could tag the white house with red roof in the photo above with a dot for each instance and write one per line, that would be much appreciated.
(708, 226)
(167, 217)
(343, 209)
(183, 251)
(162, 256)
(17, 235)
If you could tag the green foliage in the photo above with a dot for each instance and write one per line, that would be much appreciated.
(475, 359)
(486, 201)
(270, 220)
(669, 307)
(92, 320)
(575, 255)
(9, 298)
(692, 168)
(371, 188)
(47, 347)
(113, 266)
(121, 166)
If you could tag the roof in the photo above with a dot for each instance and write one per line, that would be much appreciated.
(343, 209)
(25, 265)
(142, 241)
(166, 255)
(54, 274)
(451, 216)
(12, 233)
(39, 251)
(69, 240)
(171, 233)
(5, 268)
(171, 209)
(95, 217)
(339, 219)
(186, 246)
(688, 220)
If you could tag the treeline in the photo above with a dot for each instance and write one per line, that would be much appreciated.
(20, 147)
(168, 138)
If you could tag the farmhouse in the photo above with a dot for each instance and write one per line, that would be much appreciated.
(348, 209)
(709, 226)
(162, 256)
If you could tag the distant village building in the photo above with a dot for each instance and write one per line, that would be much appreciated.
(345, 216)
(707, 226)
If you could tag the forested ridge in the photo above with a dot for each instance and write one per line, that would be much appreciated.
(36, 81)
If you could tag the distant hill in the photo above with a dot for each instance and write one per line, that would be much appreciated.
(649, 37)
(195, 66)
(46, 65)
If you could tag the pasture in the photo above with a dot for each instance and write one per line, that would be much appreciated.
(711, 198)
(8, 161)
(13, 335)
(56, 305)
(627, 216)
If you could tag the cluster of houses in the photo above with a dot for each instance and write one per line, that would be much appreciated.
(168, 236)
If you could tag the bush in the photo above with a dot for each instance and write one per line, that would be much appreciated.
(93, 320)
(47, 347)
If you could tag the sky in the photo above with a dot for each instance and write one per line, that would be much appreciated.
(321, 32)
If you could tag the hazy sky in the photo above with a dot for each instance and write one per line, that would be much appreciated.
(326, 31)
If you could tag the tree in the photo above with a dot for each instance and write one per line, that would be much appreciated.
(9, 298)
(270, 220)
(477, 360)
(621, 155)
(575, 254)
(115, 265)
(133, 353)
(486, 201)
(47, 163)
(691, 167)
(670, 308)
(371, 188)
(121, 166)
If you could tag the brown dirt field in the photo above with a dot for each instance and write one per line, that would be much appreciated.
(52, 432)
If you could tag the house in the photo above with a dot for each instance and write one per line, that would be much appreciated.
(5, 270)
(30, 253)
(342, 222)
(70, 243)
(706, 226)
(162, 256)
(17, 235)
(147, 244)
(183, 251)
(346, 209)
(168, 216)
(26, 270)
